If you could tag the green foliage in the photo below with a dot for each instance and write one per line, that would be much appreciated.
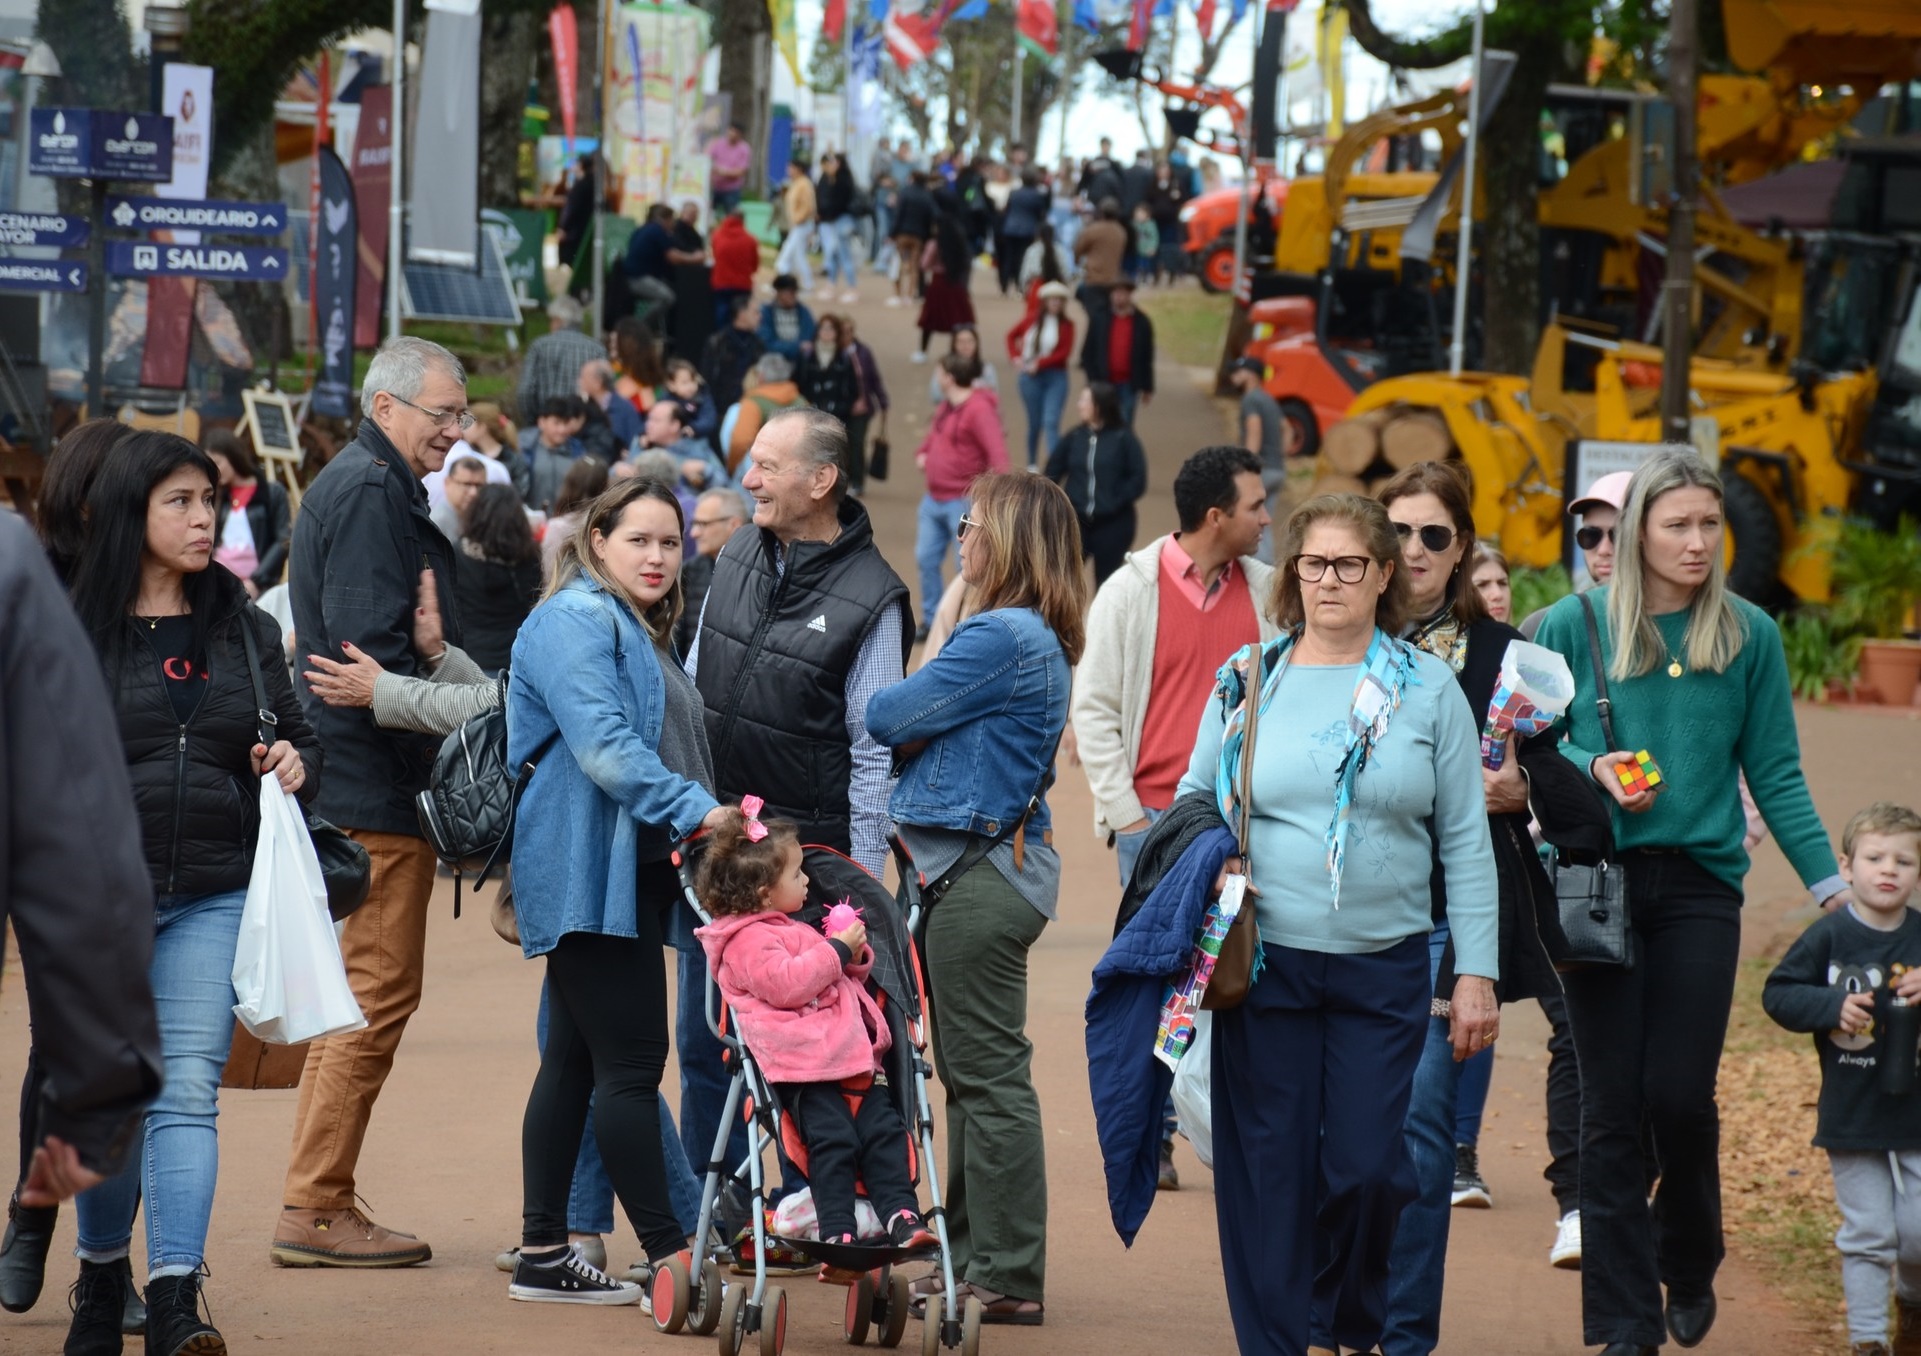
(1876, 577)
(1535, 589)
(1819, 653)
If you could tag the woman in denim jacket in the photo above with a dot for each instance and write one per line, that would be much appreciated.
(599, 703)
(975, 730)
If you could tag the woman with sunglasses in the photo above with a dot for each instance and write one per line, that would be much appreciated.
(1366, 770)
(1695, 676)
(1430, 506)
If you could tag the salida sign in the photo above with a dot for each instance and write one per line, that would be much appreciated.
(96, 143)
(129, 259)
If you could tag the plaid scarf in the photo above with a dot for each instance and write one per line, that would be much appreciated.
(1385, 674)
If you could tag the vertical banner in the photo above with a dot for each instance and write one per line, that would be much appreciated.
(651, 115)
(373, 173)
(443, 198)
(187, 96)
(563, 32)
(335, 278)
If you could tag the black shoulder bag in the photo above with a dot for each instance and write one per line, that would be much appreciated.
(1592, 897)
(344, 864)
(976, 851)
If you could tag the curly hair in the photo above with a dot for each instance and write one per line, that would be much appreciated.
(734, 870)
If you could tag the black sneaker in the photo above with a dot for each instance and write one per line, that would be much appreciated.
(95, 1301)
(1169, 1178)
(568, 1278)
(174, 1325)
(908, 1230)
(1470, 1189)
(23, 1254)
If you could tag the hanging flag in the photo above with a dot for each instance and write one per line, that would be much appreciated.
(565, 37)
(877, 11)
(786, 35)
(1240, 9)
(1038, 24)
(1204, 15)
(373, 173)
(1137, 25)
(335, 236)
(971, 9)
(834, 18)
(910, 37)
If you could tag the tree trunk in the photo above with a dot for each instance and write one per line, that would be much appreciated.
(743, 33)
(510, 40)
(1509, 241)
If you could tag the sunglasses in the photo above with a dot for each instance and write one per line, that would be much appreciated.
(963, 527)
(1591, 537)
(1434, 537)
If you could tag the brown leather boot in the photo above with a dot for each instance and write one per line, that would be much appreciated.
(1869, 1349)
(342, 1238)
(1907, 1330)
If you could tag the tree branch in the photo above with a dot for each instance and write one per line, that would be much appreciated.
(1424, 55)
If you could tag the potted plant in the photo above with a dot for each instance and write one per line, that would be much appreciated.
(1876, 577)
(1821, 659)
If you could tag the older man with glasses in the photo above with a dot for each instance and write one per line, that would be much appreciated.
(362, 543)
(718, 514)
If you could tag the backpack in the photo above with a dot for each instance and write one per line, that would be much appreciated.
(467, 811)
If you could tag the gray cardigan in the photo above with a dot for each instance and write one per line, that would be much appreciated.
(456, 693)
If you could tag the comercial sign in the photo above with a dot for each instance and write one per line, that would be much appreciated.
(183, 214)
(98, 143)
(42, 275)
(43, 228)
(255, 263)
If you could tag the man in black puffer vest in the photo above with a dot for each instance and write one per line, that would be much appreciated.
(804, 621)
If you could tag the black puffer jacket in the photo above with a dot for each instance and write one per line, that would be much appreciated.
(193, 784)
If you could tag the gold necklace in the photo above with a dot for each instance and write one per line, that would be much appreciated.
(1674, 665)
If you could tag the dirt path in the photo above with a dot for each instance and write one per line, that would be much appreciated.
(442, 1157)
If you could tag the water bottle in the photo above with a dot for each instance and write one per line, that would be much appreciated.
(1900, 1036)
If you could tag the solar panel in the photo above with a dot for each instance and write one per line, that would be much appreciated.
(444, 292)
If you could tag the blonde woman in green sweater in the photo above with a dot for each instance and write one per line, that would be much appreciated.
(1698, 679)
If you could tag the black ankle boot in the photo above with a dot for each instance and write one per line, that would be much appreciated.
(96, 1302)
(174, 1325)
(23, 1255)
(133, 1310)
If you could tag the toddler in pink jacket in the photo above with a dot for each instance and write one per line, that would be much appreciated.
(801, 1004)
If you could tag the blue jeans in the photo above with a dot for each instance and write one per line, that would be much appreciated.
(939, 528)
(1045, 395)
(837, 251)
(590, 1201)
(726, 200)
(1130, 395)
(1470, 1099)
(1417, 1266)
(179, 1161)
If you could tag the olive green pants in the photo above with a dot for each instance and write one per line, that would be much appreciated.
(976, 946)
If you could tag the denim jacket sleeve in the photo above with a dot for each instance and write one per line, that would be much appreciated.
(968, 679)
(580, 692)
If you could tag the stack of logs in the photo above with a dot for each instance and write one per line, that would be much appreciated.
(1360, 454)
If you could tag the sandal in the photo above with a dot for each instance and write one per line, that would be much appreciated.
(998, 1308)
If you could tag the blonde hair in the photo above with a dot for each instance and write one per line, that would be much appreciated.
(577, 556)
(1030, 544)
(1882, 817)
(1715, 631)
(1368, 519)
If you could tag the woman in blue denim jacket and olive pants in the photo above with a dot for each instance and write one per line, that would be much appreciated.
(976, 729)
(623, 772)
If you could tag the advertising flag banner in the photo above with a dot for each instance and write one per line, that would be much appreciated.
(653, 110)
(187, 97)
(563, 32)
(786, 35)
(336, 252)
(372, 174)
(443, 199)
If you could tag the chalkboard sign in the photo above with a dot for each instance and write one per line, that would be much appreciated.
(276, 439)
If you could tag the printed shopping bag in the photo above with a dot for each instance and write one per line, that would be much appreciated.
(287, 971)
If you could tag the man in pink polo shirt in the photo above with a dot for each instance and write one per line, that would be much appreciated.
(731, 155)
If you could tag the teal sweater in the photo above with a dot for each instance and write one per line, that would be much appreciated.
(1425, 770)
(1703, 729)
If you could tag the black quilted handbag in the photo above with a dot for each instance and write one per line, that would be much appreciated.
(467, 810)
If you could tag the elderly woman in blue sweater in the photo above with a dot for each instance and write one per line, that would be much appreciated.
(1366, 768)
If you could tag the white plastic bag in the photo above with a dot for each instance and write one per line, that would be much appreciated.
(795, 1217)
(287, 971)
(1194, 1090)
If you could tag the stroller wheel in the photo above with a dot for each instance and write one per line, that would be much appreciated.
(859, 1314)
(892, 1310)
(930, 1325)
(671, 1291)
(703, 1314)
(773, 1321)
(971, 1326)
(733, 1320)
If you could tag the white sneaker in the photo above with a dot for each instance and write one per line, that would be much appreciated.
(570, 1280)
(895, 301)
(1566, 1252)
(920, 355)
(849, 297)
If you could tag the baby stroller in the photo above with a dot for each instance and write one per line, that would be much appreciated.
(695, 1297)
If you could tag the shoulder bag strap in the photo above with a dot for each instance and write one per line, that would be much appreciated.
(978, 849)
(1601, 702)
(1250, 725)
(264, 717)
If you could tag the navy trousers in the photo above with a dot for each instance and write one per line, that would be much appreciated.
(1311, 1172)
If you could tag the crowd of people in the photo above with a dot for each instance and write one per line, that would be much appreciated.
(669, 578)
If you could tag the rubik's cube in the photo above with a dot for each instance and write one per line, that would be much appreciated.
(1640, 774)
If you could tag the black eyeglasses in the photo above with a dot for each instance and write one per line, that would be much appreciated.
(1591, 537)
(1347, 569)
(964, 526)
(1434, 537)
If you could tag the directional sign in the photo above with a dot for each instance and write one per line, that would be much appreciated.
(98, 143)
(186, 214)
(131, 259)
(42, 275)
(42, 228)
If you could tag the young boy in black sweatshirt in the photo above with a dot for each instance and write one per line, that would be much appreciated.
(1839, 982)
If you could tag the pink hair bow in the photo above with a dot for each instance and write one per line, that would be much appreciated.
(750, 808)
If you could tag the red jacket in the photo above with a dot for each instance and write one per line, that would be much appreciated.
(736, 256)
(1055, 357)
(964, 442)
